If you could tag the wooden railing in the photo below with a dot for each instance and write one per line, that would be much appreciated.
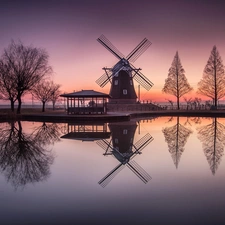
(86, 110)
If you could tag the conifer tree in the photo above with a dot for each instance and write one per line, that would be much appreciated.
(212, 83)
(176, 84)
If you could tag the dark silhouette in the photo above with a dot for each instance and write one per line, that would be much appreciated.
(21, 68)
(122, 148)
(47, 133)
(212, 137)
(22, 157)
(86, 131)
(56, 92)
(46, 91)
(176, 138)
(213, 80)
(122, 74)
(7, 85)
(176, 84)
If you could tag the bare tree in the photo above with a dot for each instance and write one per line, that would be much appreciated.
(213, 81)
(212, 137)
(26, 66)
(176, 137)
(56, 92)
(7, 86)
(188, 102)
(176, 84)
(171, 103)
(45, 91)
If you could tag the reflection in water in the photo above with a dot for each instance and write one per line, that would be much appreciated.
(176, 138)
(47, 133)
(87, 131)
(188, 196)
(212, 137)
(23, 158)
(122, 148)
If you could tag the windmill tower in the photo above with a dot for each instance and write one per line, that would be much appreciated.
(121, 146)
(121, 75)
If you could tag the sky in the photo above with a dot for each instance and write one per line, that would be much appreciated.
(68, 30)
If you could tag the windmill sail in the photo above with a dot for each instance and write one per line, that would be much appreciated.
(105, 180)
(139, 171)
(108, 45)
(104, 79)
(141, 79)
(139, 50)
(104, 144)
(124, 81)
(143, 142)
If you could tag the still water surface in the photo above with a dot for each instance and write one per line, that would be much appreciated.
(167, 170)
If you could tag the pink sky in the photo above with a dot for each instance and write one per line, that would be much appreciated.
(68, 31)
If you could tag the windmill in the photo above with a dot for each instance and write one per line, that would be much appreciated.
(124, 152)
(121, 75)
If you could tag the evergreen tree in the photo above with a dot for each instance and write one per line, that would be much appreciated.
(176, 84)
(213, 81)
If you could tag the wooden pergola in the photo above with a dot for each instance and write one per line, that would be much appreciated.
(87, 131)
(86, 102)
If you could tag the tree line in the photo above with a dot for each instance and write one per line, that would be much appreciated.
(211, 85)
(23, 70)
(211, 135)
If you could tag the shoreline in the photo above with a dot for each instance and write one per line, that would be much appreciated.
(62, 116)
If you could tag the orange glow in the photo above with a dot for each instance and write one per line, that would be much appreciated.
(77, 58)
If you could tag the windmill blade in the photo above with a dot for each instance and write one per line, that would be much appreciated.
(140, 145)
(107, 77)
(141, 79)
(104, 79)
(108, 45)
(104, 144)
(139, 171)
(139, 50)
(143, 142)
(105, 180)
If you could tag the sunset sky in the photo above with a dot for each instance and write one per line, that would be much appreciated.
(68, 30)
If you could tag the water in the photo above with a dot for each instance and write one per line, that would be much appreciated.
(153, 171)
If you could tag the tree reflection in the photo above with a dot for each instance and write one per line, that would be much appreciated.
(212, 137)
(22, 157)
(47, 133)
(176, 138)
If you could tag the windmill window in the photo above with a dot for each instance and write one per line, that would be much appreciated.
(125, 91)
(116, 140)
(131, 83)
(116, 82)
(125, 131)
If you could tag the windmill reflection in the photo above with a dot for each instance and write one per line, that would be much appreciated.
(23, 158)
(122, 148)
(176, 138)
(212, 137)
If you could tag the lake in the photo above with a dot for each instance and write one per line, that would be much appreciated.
(165, 170)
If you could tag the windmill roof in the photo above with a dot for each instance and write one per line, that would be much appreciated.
(86, 93)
